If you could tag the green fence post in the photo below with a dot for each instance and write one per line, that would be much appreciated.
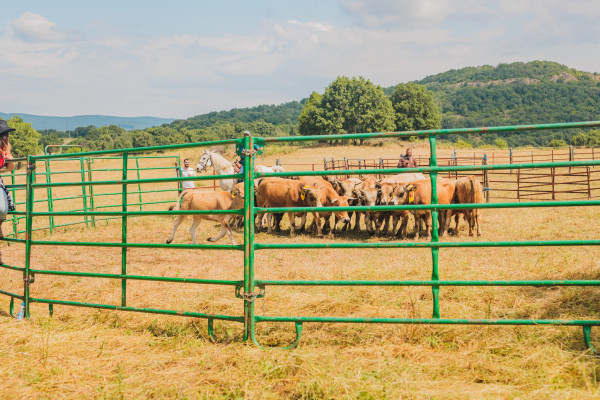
(83, 190)
(137, 165)
(29, 224)
(49, 191)
(124, 233)
(248, 237)
(434, 227)
(89, 162)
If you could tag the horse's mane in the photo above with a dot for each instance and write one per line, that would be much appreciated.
(219, 162)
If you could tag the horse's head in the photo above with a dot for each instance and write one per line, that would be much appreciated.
(204, 161)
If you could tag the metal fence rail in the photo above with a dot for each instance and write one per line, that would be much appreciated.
(87, 168)
(248, 289)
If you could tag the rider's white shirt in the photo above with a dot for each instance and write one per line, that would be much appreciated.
(188, 172)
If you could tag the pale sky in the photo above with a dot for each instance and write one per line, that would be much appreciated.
(187, 57)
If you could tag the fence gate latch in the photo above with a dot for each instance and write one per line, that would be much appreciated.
(250, 296)
(30, 279)
(250, 152)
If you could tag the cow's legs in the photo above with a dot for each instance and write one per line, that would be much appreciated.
(292, 219)
(456, 222)
(477, 217)
(445, 219)
(225, 228)
(317, 220)
(378, 220)
(193, 229)
(230, 233)
(395, 220)
(270, 219)
(357, 221)
(258, 222)
(327, 224)
(220, 235)
(277, 223)
(469, 218)
(178, 222)
(402, 230)
(428, 224)
(417, 225)
(369, 222)
(302, 226)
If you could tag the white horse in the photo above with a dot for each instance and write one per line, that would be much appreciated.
(221, 165)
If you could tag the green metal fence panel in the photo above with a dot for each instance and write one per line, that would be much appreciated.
(250, 288)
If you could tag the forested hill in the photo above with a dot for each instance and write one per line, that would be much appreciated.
(283, 114)
(506, 94)
(517, 93)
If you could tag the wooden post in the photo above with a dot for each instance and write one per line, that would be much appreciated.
(588, 181)
(570, 156)
(485, 179)
(552, 174)
(519, 184)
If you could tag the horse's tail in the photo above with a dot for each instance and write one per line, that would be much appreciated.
(175, 207)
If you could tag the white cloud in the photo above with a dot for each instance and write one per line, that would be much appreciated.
(186, 74)
(36, 27)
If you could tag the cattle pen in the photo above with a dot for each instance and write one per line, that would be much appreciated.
(247, 288)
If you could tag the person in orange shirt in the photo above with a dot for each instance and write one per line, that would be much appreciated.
(5, 164)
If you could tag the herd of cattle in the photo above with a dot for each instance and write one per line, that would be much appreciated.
(410, 188)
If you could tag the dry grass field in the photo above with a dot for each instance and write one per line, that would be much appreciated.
(90, 353)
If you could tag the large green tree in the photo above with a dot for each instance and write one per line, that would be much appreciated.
(349, 105)
(25, 140)
(414, 108)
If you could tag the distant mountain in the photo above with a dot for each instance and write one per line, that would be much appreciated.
(40, 122)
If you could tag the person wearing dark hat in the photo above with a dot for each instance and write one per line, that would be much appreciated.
(4, 157)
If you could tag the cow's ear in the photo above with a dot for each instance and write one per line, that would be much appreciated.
(334, 201)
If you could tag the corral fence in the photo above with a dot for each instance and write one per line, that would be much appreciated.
(570, 183)
(248, 288)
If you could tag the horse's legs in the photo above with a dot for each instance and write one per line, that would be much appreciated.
(175, 226)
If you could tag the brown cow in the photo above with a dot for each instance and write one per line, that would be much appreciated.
(366, 193)
(345, 188)
(468, 190)
(197, 200)
(419, 192)
(288, 193)
(387, 196)
(329, 198)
